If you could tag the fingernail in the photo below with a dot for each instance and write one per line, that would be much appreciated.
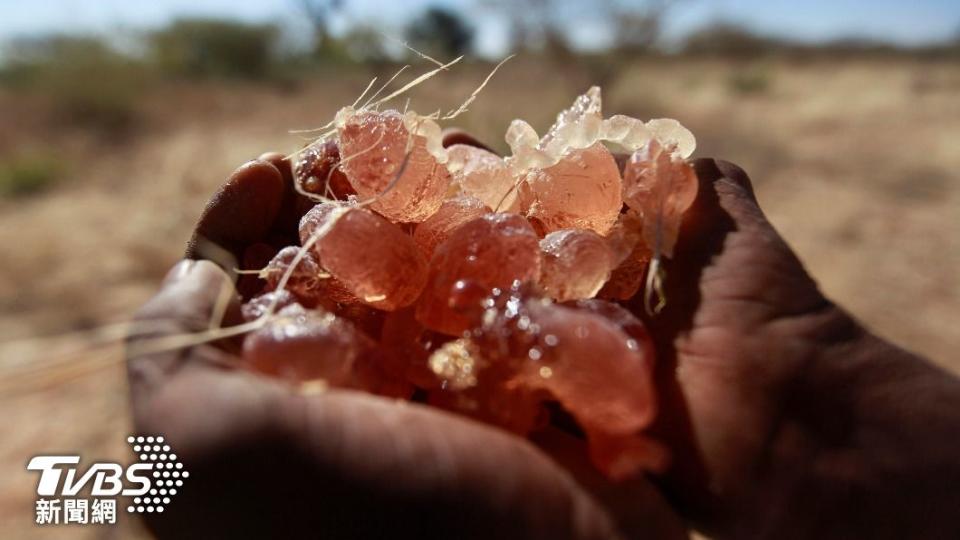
(179, 271)
(271, 157)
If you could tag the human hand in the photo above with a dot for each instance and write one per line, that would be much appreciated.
(266, 460)
(785, 417)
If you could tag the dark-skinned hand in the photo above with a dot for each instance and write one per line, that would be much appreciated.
(784, 416)
(268, 461)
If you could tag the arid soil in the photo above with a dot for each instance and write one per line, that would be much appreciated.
(855, 162)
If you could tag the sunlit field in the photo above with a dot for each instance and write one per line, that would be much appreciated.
(853, 160)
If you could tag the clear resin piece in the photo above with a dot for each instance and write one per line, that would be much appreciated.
(452, 214)
(576, 264)
(597, 362)
(484, 176)
(490, 252)
(300, 344)
(393, 159)
(491, 287)
(582, 190)
(373, 258)
(661, 186)
(631, 256)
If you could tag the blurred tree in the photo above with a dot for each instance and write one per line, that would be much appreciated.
(729, 40)
(215, 48)
(535, 24)
(637, 27)
(364, 44)
(634, 26)
(319, 13)
(440, 31)
(88, 81)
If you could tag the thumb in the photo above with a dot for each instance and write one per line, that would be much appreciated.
(159, 343)
(727, 250)
(725, 202)
(241, 212)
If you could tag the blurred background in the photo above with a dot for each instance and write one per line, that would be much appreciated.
(118, 119)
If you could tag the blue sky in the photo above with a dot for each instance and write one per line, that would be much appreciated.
(910, 22)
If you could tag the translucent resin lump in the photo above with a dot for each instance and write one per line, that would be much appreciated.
(490, 286)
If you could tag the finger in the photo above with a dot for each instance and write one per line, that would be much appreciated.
(279, 161)
(730, 226)
(312, 452)
(292, 207)
(163, 330)
(705, 229)
(713, 170)
(452, 136)
(241, 212)
(727, 189)
(728, 257)
(724, 225)
(351, 465)
(731, 273)
(722, 205)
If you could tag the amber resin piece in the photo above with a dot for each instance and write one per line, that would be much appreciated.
(452, 214)
(598, 371)
(620, 457)
(483, 175)
(317, 171)
(255, 257)
(661, 185)
(367, 319)
(581, 191)
(309, 283)
(304, 277)
(409, 345)
(489, 252)
(497, 400)
(371, 374)
(576, 264)
(393, 159)
(375, 260)
(473, 386)
(262, 304)
(299, 345)
(479, 281)
(304, 345)
(625, 320)
(567, 179)
(631, 254)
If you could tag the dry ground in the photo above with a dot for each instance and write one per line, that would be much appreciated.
(855, 162)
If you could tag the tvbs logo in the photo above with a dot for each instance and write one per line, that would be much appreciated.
(151, 482)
